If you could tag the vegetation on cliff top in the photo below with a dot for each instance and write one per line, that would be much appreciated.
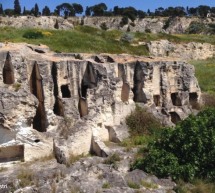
(87, 39)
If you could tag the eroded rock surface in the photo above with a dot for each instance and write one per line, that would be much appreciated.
(177, 25)
(186, 51)
(53, 101)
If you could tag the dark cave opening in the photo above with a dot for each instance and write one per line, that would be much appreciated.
(58, 107)
(139, 95)
(40, 121)
(176, 101)
(125, 92)
(193, 99)
(156, 100)
(175, 117)
(36, 87)
(83, 107)
(65, 91)
(8, 71)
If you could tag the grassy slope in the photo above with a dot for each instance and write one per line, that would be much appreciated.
(205, 73)
(92, 40)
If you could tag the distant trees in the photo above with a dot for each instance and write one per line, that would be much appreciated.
(1, 9)
(67, 9)
(17, 7)
(46, 11)
(101, 9)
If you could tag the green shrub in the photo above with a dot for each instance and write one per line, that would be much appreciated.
(186, 152)
(124, 21)
(196, 28)
(112, 159)
(103, 26)
(33, 35)
(140, 122)
(127, 37)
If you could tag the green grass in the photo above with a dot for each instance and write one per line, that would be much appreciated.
(87, 39)
(205, 73)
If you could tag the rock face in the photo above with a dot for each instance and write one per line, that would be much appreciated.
(186, 51)
(176, 25)
(53, 101)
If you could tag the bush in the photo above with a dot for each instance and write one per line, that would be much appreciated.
(196, 28)
(124, 21)
(103, 26)
(142, 122)
(33, 35)
(186, 152)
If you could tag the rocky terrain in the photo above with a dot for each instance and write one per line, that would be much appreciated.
(69, 104)
(175, 25)
(89, 174)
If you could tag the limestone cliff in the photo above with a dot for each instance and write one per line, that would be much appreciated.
(54, 101)
(176, 25)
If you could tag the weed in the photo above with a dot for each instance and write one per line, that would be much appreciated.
(17, 86)
(106, 185)
(133, 185)
(149, 185)
(25, 177)
(112, 159)
(73, 158)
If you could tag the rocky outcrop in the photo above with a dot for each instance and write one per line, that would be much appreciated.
(89, 174)
(175, 25)
(185, 51)
(53, 101)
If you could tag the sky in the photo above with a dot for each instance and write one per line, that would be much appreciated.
(138, 4)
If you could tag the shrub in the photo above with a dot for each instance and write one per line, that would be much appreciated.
(186, 152)
(106, 185)
(33, 35)
(124, 21)
(196, 28)
(140, 122)
(112, 160)
(103, 26)
(127, 37)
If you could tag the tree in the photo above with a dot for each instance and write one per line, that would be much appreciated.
(17, 7)
(36, 10)
(78, 8)
(88, 11)
(1, 9)
(24, 11)
(185, 152)
(46, 11)
(203, 10)
(9, 12)
(99, 9)
(65, 9)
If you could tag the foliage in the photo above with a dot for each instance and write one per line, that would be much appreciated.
(186, 152)
(17, 7)
(25, 177)
(133, 185)
(106, 185)
(124, 21)
(103, 26)
(1, 9)
(112, 159)
(87, 39)
(127, 37)
(197, 186)
(142, 122)
(46, 11)
(33, 34)
(196, 28)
